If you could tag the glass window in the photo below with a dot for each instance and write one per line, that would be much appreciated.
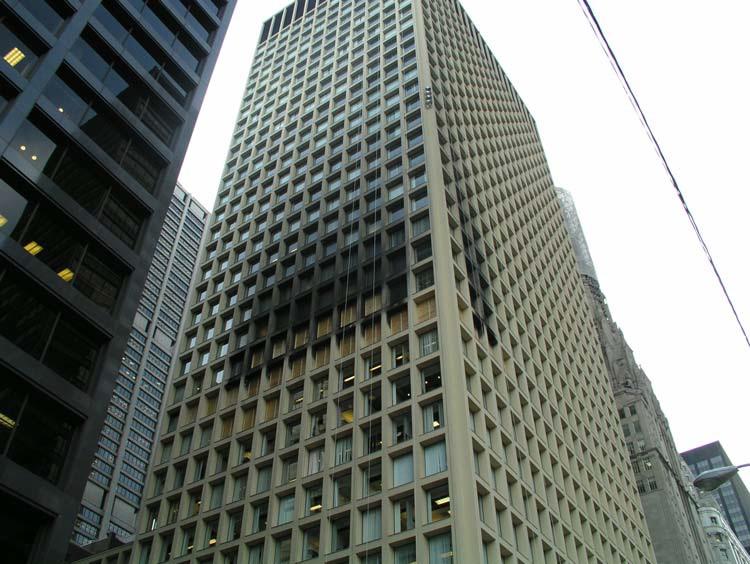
(311, 543)
(438, 503)
(405, 554)
(435, 459)
(342, 490)
(283, 551)
(340, 533)
(401, 389)
(399, 354)
(373, 439)
(440, 549)
(434, 418)
(260, 516)
(314, 461)
(401, 428)
(428, 343)
(371, 524)
(343, 450)
(404, 514)
(373, 479)
(264, 479)
(424, 279)
(286, 509)
(35, 431)
(403, 470)
(29, 322)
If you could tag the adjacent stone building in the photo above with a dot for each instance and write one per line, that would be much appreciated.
(669, 500)
(733, 497)
(725, 546)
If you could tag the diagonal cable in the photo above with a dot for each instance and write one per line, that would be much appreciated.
(637, 107)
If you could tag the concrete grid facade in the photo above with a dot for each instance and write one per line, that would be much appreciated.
(114, 490)
(98, 99)
(403, 367)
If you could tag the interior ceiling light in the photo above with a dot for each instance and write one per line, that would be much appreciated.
(3, 220)
(33, 248)
(66, 274)
(7, 422)
(14, 56)
(442, 500)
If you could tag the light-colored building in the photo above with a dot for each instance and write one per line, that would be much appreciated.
(114, 490)
(662, 478)
(390, 357)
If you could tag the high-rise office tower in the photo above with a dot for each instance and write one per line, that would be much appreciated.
(389, 356)
(670, 502)
(97, 103)
(733, 497)
(115, 488)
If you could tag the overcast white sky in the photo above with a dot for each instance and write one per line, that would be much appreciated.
(687, 62)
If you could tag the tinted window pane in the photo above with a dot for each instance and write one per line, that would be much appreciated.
(37, 148)
(90, 56)
(68, 102)
(111, 23)
(42, 430)
(122, 219)
(98, 280)
(18, 528)
(11, 401)
(41, 330)
(51, 13)
(24, 320)
(71, 353)
(59, 247)
(14, 211)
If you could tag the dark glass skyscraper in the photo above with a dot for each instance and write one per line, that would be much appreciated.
(97, 103)
(115, 487)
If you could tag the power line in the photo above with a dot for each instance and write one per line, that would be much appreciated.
(637, 107)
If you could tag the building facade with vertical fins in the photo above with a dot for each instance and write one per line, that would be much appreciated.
(669, 500)
(412, 372)
(114, 490)
(732, 496)
(98, 99)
